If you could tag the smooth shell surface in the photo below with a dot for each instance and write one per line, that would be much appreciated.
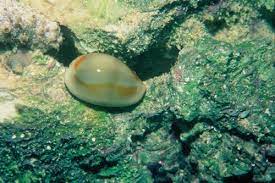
(103, 80)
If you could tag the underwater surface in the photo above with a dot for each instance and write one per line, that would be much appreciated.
(155, 91)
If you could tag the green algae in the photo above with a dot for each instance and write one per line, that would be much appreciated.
(106, 10)
(39, 141)
(147, 5)
(138, 39)
(207, 117)
(224, 80)
(229, 150)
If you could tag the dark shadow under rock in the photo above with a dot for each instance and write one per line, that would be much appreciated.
(154, 62)
(67, 52)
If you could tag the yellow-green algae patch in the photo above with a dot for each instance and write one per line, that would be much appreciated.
(81, 13)
(238, 32)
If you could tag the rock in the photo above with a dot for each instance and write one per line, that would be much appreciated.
(56, 94)
(7, 105)
(18, 61)
(15, 66)
(193, 123)
(214, 79)
(23, 26)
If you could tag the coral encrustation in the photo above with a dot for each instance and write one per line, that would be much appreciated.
(24, 26)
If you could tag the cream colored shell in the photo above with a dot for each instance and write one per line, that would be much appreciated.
(103, 80)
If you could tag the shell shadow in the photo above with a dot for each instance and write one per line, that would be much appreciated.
(112, 110)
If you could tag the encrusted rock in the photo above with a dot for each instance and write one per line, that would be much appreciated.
(23, 26)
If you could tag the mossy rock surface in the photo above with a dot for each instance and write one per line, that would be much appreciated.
(230, 86)
(206, 115)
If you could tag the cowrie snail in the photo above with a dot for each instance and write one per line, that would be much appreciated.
(103, 80)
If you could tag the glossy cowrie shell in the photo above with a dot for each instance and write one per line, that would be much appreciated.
(103, 80)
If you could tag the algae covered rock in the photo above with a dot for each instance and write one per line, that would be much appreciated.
(222, 157)
(207, 114)
(22, 26)
(126, 35)
(40, 141)
(230, 87)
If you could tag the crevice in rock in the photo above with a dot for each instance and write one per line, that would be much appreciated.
(158, 60)
(268, 151)
(215, 26)
(269, 17)
(154, 62)
(247, 177)
(244, 135)
(181, 126)
(217, 123)
(159, 175)
(271, 159)
(104, 164)
(186, 149)
(155, 122)
(177, 127)
(237, 131)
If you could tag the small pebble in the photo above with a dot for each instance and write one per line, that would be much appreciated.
(18, 61)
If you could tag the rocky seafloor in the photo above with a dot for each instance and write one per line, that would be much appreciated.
(207, 115)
